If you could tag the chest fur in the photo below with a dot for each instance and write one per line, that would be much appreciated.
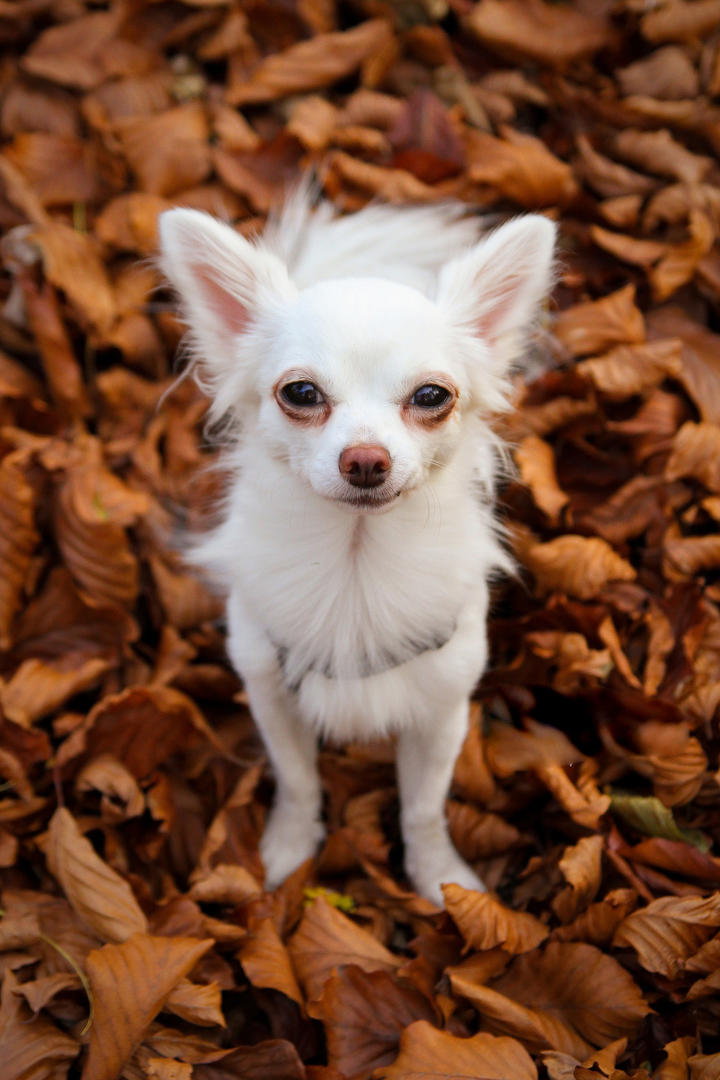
(356, 597)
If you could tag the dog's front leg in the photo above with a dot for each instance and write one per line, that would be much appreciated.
(425, 760)
(293, 829)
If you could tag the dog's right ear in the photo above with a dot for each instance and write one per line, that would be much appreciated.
(223, 281)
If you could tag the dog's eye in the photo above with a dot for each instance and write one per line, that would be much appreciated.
(302, 394)
(430, 396)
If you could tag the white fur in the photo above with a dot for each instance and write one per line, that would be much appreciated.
(344, 620)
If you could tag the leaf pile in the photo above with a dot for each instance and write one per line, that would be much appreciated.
(136, 940)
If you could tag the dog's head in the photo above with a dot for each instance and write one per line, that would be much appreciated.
(361, 385)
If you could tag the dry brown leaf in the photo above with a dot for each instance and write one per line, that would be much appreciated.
(681, 261)
(581, 866)
(700, 373)
(666, 73)
(325, 940)
(72, 263)
(274, 1059)
(266, 962)
(690, 554)
(391, 185)
(308, 65)
(62, 371)
(479, 835)
(540, 30)
(562, 1066)
(230, 885)
(130, 985)
(704, 1067)
(607, 177)
(18, 536)
(170, 151)
(519, 167)
(102, 898)
(669, 930)
(573, 661)
(33, 1049)
(681, 21)
(598, 923)
(696, 453)
(567, 998)
(141, 727)
(582, 801)
(510, 750)
(600, 324)
(198, 1003)
(129, 222)
(630, 369)
(365, 1014)
(426, 1053)
(60, 169)
(485, 923)
(536, 461)
(659, 152)
(629, 248)
(577, 565)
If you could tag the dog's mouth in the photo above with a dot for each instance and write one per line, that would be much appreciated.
(369, 501)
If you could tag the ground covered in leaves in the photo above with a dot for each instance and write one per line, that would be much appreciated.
(136, 939)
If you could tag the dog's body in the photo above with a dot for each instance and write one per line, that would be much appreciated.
(358, 536)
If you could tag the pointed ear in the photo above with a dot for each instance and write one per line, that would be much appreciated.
(495, 289)
(223, 282)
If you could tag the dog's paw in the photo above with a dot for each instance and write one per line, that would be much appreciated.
(429, 873)
(289, 839)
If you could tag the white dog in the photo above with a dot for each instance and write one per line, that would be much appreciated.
(355, 361)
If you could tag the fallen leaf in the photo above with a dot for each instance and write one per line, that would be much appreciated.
(669, 930)
(567, 998)
(426, 1053)
(266, 962)
(365, 1014)
(308, 65)
(600, 324)
(578, 565)
(536, 461)
(485, 923)
(32, 1048)
(325, 940)
(102, 898)
(539, 31)
(130, 985)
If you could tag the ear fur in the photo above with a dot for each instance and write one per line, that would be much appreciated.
(224, 283)
(494, 290)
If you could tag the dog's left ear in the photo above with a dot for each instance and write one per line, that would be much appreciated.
(495, 289)
(224, 283)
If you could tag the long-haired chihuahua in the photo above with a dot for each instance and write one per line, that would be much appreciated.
(355, 362)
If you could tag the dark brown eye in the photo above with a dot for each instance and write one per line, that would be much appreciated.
(430, 396)
(302, 394)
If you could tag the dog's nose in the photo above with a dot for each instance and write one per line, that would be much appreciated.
(364, 466)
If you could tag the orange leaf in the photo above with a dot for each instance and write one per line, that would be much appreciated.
(426, 1053)
(98, 894)
(485, 923)
(326, 939)
(364, 1014)
(130, 985)
(569, 998)
(266, 962)
(577, 565)
(17, 536)
(669, 930)
(599, 324)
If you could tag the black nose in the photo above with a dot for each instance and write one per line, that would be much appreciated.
(364, 466)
